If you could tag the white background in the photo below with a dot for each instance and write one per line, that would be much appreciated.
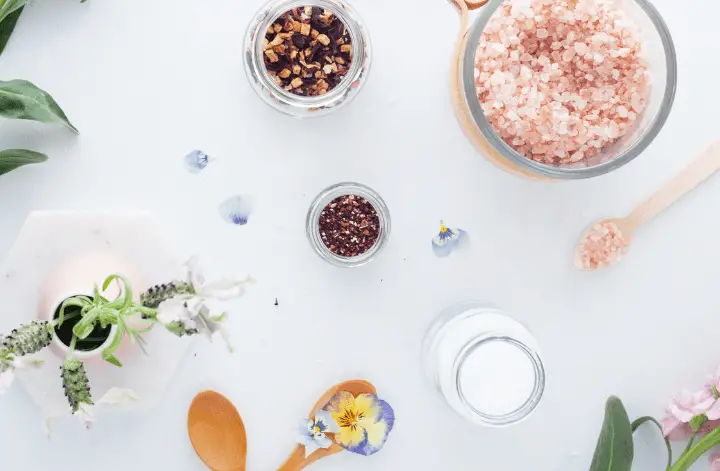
(148, 81)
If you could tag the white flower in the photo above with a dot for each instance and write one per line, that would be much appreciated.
(187, 314)
(119, 396)
(313, 432)
(113, 397)
(8, 367)
(86, 414)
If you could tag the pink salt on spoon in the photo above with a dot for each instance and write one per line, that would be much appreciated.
(608, 240)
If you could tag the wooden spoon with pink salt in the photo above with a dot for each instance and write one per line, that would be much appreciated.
(607, 241)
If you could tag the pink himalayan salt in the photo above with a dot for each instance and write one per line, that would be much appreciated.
(603, 245)
(560, 79)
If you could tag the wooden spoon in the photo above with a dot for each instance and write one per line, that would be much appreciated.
(704, 166)
(217, 432)
(297, 460)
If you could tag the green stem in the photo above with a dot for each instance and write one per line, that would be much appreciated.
(690, 443)
(72, 346)
(691, 456)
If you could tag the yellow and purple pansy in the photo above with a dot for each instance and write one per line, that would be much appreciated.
(448, 240)
(313, 432)
(365, 422)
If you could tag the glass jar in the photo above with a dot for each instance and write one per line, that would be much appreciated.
(313, 223)
(304, 106)
(662, 65)
(484, 364)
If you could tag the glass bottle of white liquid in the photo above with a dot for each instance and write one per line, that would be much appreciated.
(485, 364)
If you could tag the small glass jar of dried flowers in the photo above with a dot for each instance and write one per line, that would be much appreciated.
(348, 224)
(307, 58)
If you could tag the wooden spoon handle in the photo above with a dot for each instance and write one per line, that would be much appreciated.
(704, 166)
(295, 462)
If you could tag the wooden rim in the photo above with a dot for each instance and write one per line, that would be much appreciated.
(475, 5)
(466, 121)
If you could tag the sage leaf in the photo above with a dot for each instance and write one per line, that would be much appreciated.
(7, 7)
(7, 26)
(20, 99)
(614, 450)
(13, 158)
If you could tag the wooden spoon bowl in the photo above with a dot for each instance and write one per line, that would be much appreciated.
(217, 432)
(297, 460)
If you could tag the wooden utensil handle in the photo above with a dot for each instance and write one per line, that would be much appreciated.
(295, 462)
(704, 166)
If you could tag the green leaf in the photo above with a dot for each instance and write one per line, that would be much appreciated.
(109, 353)
(614, 450)
(126, 292)
(641, 421)
(82, 330)
(112, 359)
(20, 99)
(7, 7)
(7, 26)
(13, 158)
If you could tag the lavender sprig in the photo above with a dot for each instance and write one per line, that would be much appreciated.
(180, 329)
(30, 338)
(76, 384)
(158, 294)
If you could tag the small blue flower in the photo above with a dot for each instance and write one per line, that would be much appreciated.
(448, 240)
(313, 431)
(196, 161)
(236, 210)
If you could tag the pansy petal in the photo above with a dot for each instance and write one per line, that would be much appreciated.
(236, 209)
(327, 419)
(353, 439)
(323, 441)
(305, 434)
(377, 424)
(196, 161)
(339, 403)
(310, 448)
(448, 240)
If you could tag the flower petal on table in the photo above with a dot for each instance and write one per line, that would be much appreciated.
(448, 240)
(236, 209)
(196, 161)
(119, 396)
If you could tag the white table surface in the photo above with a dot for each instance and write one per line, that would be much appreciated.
(148, 81)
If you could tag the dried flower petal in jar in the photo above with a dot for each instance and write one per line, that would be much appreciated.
(308, 51)
(306, 58)
(348, 224)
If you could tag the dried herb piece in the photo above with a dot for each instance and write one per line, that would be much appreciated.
(308, 51)
(349, 226)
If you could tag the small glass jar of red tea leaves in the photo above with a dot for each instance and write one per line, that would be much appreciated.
(348, 224)
(307, 58)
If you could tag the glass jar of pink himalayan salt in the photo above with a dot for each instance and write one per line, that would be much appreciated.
(657, 52)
